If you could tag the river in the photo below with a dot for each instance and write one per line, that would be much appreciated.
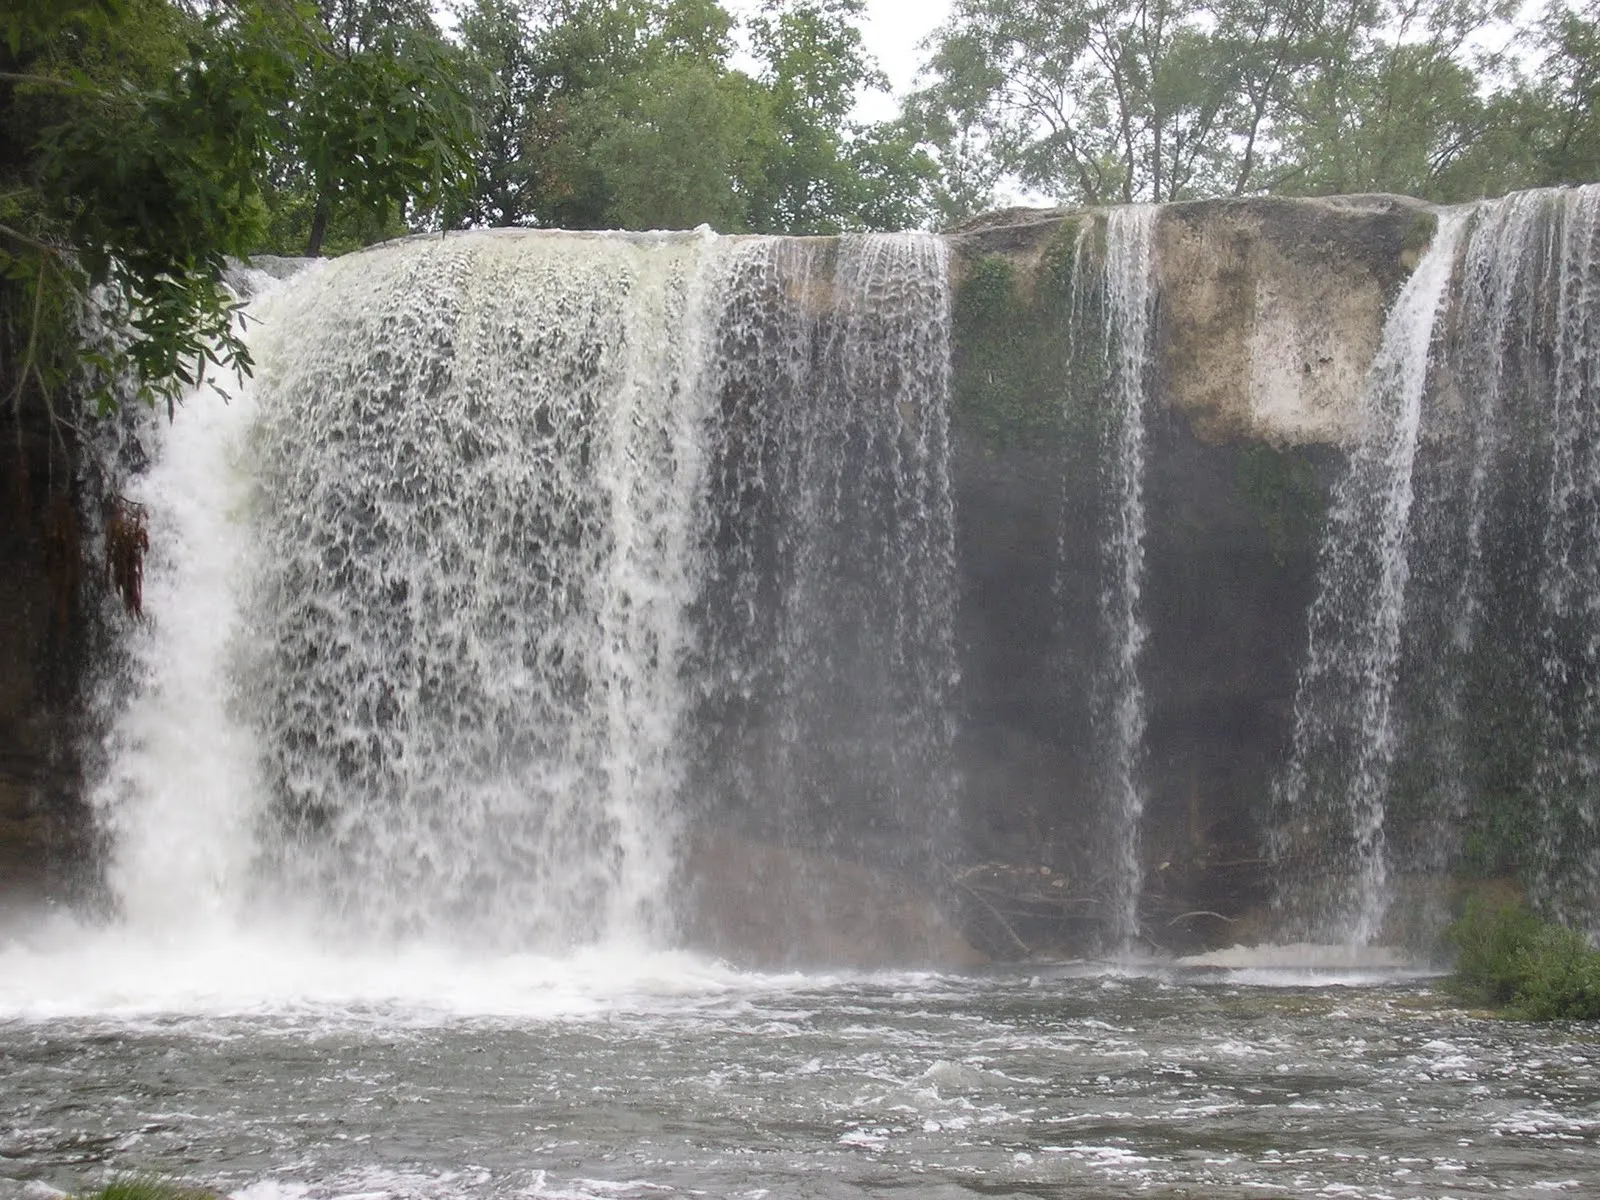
(612, 1075)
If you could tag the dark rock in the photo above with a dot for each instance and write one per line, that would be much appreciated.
(761, 905)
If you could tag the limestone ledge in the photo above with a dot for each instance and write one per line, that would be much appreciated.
(1270, 310)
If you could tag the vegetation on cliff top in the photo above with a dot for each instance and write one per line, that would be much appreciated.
(146, 141)
(143, 142)
(1114, 101)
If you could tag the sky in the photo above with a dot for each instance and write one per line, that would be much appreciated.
(891, 32)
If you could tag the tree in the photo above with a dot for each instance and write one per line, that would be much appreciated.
(679, 148)
(1399, 101)
(600, 113)
(630, 114)
(1562, 102)
(1111, 101)
(505, 83)
(124, 167)
(377, 128)
(138, 135)
(1105, 101)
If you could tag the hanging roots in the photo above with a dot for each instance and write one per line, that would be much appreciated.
(127, 542)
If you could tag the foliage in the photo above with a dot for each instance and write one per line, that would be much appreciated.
(1508, 959)
(380, 123)
(602, 115)
(1562, 102)
(1108, 101)
(117, 175)
(1488, 940)
(990, 320)
(127, 538)
(1402, 107)
(820, 173)
(1112, 101)
(140, 143)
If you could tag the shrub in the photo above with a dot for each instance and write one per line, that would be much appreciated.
(1560, 978)
(146, 1187)
(1533, 970)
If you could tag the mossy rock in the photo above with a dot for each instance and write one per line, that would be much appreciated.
(1021, 322)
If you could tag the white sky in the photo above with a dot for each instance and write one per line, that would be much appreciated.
(892, 30)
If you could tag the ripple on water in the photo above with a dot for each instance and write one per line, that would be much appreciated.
(729, 1085)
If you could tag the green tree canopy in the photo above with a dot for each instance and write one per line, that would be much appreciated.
(143, 140)
(604, 114)
(1111, 101)
(1561, 105)
(1108, 101)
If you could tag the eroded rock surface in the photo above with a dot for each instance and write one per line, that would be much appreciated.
(1270, 309)
(761, 905)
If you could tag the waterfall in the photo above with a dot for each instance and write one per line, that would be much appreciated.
(831, 662)
(1333, 792)
(1566, 869)
(535, 578)
(1520, 534)
(465, 603)
(1449, 710)
(1129, 311)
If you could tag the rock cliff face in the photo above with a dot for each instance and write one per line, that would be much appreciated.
(44, 827)
(1269, 315)
(1271, 310)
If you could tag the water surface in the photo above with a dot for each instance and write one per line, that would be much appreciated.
(671, 1075)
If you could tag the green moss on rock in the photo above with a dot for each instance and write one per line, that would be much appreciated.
(1016, 378)
(1281, 491)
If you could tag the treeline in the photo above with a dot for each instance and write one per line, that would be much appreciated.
(1115, 102)
(143, 142)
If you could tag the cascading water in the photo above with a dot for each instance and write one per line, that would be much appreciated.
(1129, 310)
(450, 674)
(1332, 794)
(1511, 514)
(468, 569)
(478, 500)
(832, 654)
(527, 554)
(1449, 710)
(1566, 869)
(1459, 477)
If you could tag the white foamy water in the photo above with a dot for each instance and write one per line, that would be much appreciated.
(64, 970)
(428, 594)
(181, 790)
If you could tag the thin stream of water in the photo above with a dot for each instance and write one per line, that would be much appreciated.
(1130, 310)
